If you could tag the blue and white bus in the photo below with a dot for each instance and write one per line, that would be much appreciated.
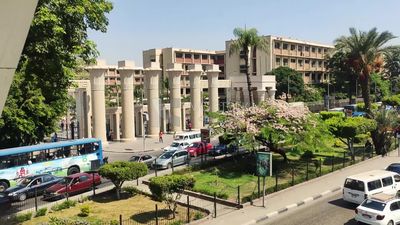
(57, 158)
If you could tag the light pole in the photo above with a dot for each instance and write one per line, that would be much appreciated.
(142, 117)
(328, 92)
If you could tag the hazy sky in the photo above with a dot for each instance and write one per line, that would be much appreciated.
(140, 25)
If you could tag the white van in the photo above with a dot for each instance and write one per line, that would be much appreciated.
(191, 137)
(361, 186)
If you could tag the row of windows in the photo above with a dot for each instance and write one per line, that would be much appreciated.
(45, 155)
(197, 56)
(293, 47)
(301, 62)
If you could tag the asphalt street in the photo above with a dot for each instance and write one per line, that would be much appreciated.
(326, 211)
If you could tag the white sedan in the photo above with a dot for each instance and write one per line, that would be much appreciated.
(380, 209)
(177, 145)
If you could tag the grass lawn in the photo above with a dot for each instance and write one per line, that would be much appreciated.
(140, 209)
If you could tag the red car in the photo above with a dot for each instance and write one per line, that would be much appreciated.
(75, 183)
(198, 148)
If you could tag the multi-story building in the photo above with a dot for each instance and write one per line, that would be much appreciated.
(306, 57)
(165, 56)
(112, 76)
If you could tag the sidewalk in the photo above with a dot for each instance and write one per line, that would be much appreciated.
(301, 194)
(152, 144)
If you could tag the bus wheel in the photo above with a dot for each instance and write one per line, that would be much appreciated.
(3, 186)
(72, 170)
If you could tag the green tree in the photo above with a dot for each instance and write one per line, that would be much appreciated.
(247, 39)
(55, 46)
(120, 171)
(387, 122)
(392, 68)
(169, 189)
(364, 51)
(288, 80)
(346, 129)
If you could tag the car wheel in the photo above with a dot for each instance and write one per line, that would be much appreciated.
(390, 223)
(3, 186)
(22, 197)
(73, 170)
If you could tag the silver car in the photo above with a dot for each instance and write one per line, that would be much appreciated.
(147, 159)
(171, 158)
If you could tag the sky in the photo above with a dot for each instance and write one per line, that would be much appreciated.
(137, 25)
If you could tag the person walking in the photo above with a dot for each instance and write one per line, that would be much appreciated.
(190, 126)
(160, 137)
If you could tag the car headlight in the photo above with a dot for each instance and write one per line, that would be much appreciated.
(12, 194)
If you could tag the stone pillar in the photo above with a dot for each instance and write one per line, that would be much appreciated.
(126, 72)
(97, 74)
(116, 130)
(271, 94)
(153, 97)
(261, 96)
(196, 107)
(241, 96)
(212, 74)
(174, 77)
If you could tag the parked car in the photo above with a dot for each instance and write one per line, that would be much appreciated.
(199, 148)
(380, 209)
(221, 149)
(147, 159)
(171, 158)
(72, 184)
(394, 167)
(177, 145)
(27, 186)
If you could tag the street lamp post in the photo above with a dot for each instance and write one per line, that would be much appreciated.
(328, 92)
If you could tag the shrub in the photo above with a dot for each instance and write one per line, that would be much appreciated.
(41, 212)
(23, 217)
(85, 210)
(220, 193)
(177, 222)
(307, 155)
(64, 205)
(198, 215)
(327, 115)
(132, 191)
(64, 221)
(114, 222)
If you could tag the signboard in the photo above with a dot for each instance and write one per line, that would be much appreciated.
(205, 135)
(264, 164)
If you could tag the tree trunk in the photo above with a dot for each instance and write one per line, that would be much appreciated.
(272, 147)
(117, 189)
(246, 60)
(365, 88)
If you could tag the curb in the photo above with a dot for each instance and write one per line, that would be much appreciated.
(292, 206)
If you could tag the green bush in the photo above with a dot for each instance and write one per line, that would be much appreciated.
(393, 100)
(64, 205)
(85, 210)
(64, 221)
(23, 217)
(220, 193)
(177, 222)
(361, 106)
(114, 222)
(327, 115)
(41, 212)
(307, 155)
(198, 215)
(161, 186)
(132, 191)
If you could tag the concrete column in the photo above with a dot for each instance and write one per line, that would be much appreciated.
(80, 114)
(212, 74)
(196, 107)
(261, 96)
(97, 74)
(174, 78)
(153, 98)
(271, 94)
(126, 72)
(116, 130)
(241, 96)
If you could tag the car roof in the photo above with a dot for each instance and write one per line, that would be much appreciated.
(371, 175)
(394, 164)
(39, 175)
(77, 175)
(187, 133)
(382, 197)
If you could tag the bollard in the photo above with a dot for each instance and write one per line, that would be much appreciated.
(120, 219)
(238, 194)
(215, 205)
(36, 204)
(188, 209)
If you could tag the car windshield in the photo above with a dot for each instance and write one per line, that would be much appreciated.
(66, 179)
(393, 168)
(25, 181)
(194, 145)
(175, 144)
(166, 155)
(372, 204)
(354, 185)
(135, 158)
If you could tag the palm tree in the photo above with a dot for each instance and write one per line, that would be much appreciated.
(247, 40)
(365, 55)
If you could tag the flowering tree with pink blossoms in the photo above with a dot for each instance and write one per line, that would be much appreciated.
(272, 123)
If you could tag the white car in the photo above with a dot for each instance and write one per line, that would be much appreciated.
(177, 145)
(380, 209)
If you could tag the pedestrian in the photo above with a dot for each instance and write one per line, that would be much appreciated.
(190, 126)
(174, 135)
(111, 135)
(62, 126)
(54, 138)
(160, 137)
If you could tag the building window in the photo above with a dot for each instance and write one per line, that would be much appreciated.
(137, 72)
(307, 61)
(152, 60)
(292, 60)
(179, 55)
(313, 63)
(312, 49)
(277, 45)
(300, 62)
(285, 62)
(278, 61)
(300, 48)
(307, 48)
(205, 57)
(196, 56)
(188, 56)
(319, 50)
(285, 46)
(292, 47)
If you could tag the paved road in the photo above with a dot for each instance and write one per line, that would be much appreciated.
(327, 211)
